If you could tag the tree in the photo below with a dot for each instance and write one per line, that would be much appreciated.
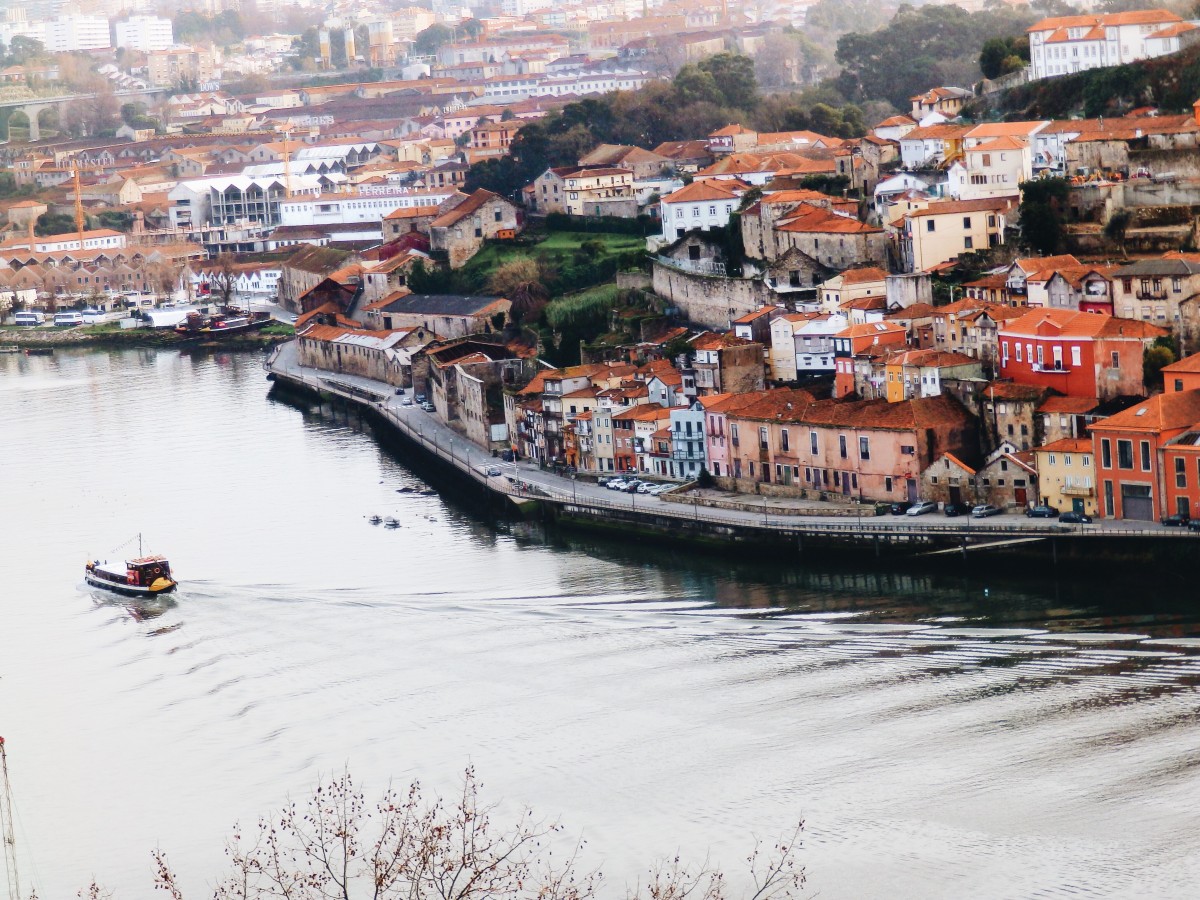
(429, 41)
(338, 844)
(1117, 226)
(1041, 213)
(473, 28)
(49, 223)
(734, 78)
(523, 283)
(1155, 358)
(222, 280)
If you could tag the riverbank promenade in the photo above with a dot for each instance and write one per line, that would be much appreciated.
(525, 481)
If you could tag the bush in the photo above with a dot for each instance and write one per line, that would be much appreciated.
(642, 225)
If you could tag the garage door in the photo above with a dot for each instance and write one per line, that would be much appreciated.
(1136, 502)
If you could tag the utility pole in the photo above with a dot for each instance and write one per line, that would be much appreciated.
(6, 829)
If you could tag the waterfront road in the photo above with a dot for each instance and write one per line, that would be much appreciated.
(527, 479)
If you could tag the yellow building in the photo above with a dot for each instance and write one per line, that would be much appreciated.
(943, 230)
(1067, 475)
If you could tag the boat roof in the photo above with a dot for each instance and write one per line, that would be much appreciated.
(146, 560)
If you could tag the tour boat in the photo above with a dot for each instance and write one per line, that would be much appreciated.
(228, 322)
(146, 576)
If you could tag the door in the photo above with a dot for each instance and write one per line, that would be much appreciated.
(1136, 502)
(1182, 506)
(911, 489)
(955, 494)
(1077, 506)
(1022, 496)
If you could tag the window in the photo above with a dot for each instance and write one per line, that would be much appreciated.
(762, 438)
(1052, 459)
(1019, 352)
(864, 448)
(887, 484)
(783, 440)
(1105, 453)
(1180, 472)
(812, 441)
(1108, 499)
(733, 433)
(1145, 448)
(712, 210)
(907, 450)
(968, 243)
(842, 446)
(1076, 357)
(966, 223)
(1179, 384)
(929, 223)
(1116, 360)
(1124, 454)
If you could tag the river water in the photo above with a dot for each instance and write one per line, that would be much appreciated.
(941, 736)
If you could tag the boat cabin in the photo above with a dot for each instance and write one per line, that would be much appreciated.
(137, 572)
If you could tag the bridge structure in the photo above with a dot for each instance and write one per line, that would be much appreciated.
(33, 107)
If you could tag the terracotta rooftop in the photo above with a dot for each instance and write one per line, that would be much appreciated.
(1162, 412)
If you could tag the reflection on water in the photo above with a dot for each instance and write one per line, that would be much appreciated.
(943, 735)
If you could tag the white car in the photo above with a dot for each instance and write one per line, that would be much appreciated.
(921, 507)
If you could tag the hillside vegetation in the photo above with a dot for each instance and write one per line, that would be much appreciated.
(1171, 83)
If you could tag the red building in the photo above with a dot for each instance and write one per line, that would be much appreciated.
(1143, 471)
(1183, 375)
(1076, 353)
(857, 339)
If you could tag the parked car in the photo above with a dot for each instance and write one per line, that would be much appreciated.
(984, 510)
(1041, 512)
(1194, 525)
(616, 484)
(1070, 517)
(658, 489)
(1179, 520)
(603, 481)
(421, 398)
(632, 487)
(645, 487)
(400, 392)
(900, 508)
(407, 401)
(921, 507)
(428, 407)
(957, 509)
(494, 472)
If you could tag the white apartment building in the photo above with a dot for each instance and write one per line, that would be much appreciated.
(145, 33)
(802, 345)
(699, 206)
(1064, 44)
(341, 209)
(66, 34)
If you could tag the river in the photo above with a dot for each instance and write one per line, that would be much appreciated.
(941, 736)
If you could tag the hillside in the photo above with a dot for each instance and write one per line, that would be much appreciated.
(1171, 83)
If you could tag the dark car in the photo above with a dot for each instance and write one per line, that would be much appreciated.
(983, 510)
(899, 509)
(1194, 525)
(1177, 521)
(1074, 518)
(957, 509)
(1042, 512)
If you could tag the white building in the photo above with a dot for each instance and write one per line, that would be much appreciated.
(1065, 44)
(145, 33)
(687, 442)
(802, 345)
(994, 169)
(701, 205)
(66, 34)
(341, 209)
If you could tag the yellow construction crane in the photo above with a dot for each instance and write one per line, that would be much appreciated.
(80, 219)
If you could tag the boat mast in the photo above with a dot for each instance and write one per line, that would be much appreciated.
(7, 833)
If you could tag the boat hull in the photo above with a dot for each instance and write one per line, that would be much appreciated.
(128, 590)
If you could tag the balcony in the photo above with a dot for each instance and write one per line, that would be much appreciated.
(1077, 490)
(1152, 295)
(1052, 369)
